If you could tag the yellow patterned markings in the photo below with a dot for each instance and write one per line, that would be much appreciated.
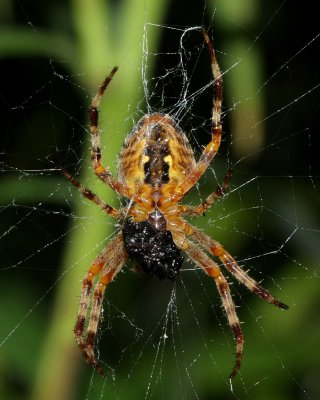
(100, 170)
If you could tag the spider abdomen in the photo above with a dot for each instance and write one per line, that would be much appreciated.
(154, 250)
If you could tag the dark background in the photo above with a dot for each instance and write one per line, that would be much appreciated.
(269, 221)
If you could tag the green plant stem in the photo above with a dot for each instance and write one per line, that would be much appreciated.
(98, 51)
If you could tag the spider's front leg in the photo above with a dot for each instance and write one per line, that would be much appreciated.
(212, 147)
(87, 193)
(102, 172)
(211, 199)
(106, 265)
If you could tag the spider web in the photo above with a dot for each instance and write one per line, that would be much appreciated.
(163, 339)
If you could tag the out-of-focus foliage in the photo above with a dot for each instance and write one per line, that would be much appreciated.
(53, 56)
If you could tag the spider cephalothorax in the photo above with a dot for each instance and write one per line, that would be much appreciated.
(156, 169)
(156, 155)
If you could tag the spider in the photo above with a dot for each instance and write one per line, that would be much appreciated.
(157, 168)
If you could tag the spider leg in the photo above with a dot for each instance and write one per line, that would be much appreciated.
(102, 173)
(211, 199)
(231, 265)
(212, 147)
(91, 196)
(212, 269)
(108, 263)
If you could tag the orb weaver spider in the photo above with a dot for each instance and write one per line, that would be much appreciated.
(157, 168)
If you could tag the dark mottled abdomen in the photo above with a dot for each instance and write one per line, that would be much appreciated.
(153, 249)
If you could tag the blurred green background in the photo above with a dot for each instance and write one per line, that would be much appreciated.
(159, 340)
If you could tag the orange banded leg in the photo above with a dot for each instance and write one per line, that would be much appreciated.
(107, 264)
(211, 268)
(229, 262)
(87, 283)
(102, 173)
(211, 149)
(91, 196)
(212, 198)
(88, 346)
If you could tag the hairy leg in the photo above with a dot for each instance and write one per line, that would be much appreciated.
(87, 193)
(212, 269)
(211, 199)
(212, 147)
(102, 172)
(231, 265)
(108, 263)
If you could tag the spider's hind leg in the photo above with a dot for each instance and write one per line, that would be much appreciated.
(231, 265)
(212, 269)
(107, 264)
